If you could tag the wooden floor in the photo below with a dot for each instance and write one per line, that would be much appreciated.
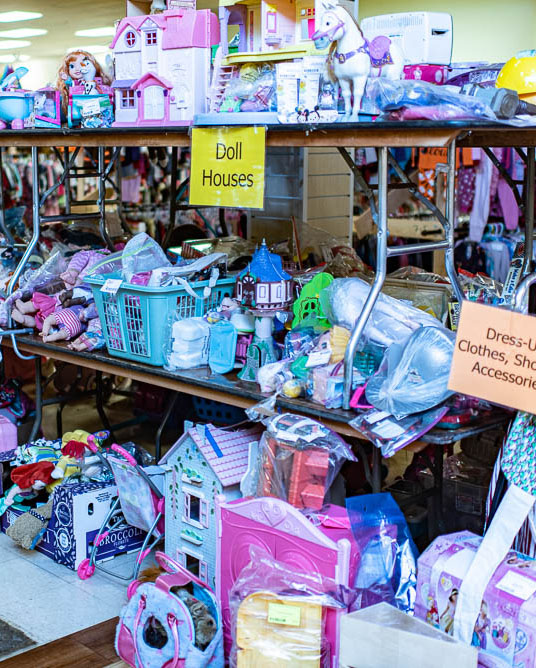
(92, 648)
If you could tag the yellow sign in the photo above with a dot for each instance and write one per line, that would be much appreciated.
(495, 356)
(228, 167)
(280, 613)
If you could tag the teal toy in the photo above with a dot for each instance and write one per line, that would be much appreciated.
(222, 347)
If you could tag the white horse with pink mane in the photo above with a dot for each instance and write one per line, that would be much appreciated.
(353, 58)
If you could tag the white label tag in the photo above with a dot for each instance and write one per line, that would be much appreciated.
(90, 107)
(517, 585)
(111, 285)
(376, 417)
(388, 429)
(318, 358)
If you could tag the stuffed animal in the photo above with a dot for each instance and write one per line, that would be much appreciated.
(76, 459)
(29, 477)
(29, 528)
(204, 622)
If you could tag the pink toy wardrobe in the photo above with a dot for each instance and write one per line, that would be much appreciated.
(288, 536)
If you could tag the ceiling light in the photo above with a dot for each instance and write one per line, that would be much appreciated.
(7, 58)
(19, 33)
(91, 48)
(106, 31)
(13, 43)
(23, 57)
(9, 17)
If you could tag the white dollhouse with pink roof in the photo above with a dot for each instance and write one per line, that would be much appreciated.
(162, 65)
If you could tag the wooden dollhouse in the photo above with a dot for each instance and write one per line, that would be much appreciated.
(162, 66)
(204, 463)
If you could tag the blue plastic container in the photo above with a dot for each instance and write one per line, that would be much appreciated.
(135, 319)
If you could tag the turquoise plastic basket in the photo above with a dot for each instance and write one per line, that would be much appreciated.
(134, 319)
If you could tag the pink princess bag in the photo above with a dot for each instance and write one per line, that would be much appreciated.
(174, 622)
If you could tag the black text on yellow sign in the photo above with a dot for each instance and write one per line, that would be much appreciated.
(228, 167)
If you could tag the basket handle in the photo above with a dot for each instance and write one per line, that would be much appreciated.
(189, 289)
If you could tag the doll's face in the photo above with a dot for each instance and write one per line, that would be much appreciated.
(82, 68)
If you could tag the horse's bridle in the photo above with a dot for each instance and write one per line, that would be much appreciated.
(329, 33)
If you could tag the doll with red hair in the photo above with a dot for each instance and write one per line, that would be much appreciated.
(80, 68)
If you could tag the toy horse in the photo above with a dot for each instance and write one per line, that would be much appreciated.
(352, 58)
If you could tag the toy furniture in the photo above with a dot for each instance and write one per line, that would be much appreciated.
(302, 470)
(204, 463)
(162, 66)
(285, 643)
(288, 536)
(269, 27)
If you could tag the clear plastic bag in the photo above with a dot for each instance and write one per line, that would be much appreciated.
(390, 434)
(142, 254)
(188, 343)
(390, 95)
(388, 567)
(391, 320)
(299, 459)
(110, 264)
(278, 614)
(31, 279)
(414, 374)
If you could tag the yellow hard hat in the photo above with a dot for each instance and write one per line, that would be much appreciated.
(519, 74)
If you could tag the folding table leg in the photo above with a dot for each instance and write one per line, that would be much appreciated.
(38, 399)
(169, 409)
(99, 401)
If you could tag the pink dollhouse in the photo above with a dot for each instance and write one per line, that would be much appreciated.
(288, 536)
(162, 66)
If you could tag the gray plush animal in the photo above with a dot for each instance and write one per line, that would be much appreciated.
(204, 622)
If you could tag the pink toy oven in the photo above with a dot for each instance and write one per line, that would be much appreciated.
(325, 546)
(436, 74)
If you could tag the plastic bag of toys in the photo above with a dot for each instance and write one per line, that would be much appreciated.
(278, 615)
(299, 459)
(388, 557)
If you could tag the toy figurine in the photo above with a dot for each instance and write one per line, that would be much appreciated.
(352, 58)
(80, 68)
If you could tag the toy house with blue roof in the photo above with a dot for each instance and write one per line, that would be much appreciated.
(203, 463)
(264, 285)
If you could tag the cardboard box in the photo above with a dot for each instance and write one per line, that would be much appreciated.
(382, 635)
(505, 631)
(77, 515)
